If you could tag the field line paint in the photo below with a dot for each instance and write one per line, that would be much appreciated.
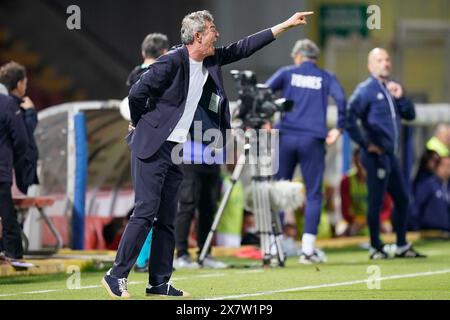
(204, 275)
(338, 284)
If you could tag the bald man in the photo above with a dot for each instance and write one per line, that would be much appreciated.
(380, 104)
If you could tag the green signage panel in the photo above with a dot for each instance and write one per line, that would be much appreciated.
(343, 20)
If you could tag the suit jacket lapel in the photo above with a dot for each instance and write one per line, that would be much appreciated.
(185, 55)
(212, 70)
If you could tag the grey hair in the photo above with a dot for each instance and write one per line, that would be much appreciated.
(306, 48)
(154, 45)
(192, 23)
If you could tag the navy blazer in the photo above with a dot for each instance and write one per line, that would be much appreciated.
(13, 137)
(158, 99)
(25, 169)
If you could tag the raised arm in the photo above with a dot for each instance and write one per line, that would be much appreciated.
(299, 18)
(249, 45)
(405, 106)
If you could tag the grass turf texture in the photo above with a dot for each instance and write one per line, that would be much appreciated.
(342, 277)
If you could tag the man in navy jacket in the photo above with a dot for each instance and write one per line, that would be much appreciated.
(304, 132)
(13, 146)
(163, 104)
(380, 104)
(14, 77)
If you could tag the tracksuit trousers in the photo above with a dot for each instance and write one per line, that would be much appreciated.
(384, 174)
(310, 153)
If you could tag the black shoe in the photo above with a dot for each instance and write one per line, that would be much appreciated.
(164, 289)
(378, 254)
(116, 287)
(409, 252)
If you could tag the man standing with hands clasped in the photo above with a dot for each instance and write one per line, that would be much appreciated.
(380, 104)
(163, 104)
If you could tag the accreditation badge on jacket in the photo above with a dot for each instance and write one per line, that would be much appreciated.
(214, 103)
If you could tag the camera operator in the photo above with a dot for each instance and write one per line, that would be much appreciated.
(303, 131)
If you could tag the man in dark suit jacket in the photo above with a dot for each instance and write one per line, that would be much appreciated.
(163, 105)
(13, 146)
(14, 77)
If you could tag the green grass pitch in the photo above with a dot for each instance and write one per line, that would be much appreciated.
(348, 274)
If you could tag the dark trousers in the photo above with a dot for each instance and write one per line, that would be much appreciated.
(199, 190)
(310, 153)
(12, 238)
(156, 181)
(384, 174)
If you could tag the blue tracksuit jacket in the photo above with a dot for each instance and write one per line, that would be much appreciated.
(309, 87)
(380, 115)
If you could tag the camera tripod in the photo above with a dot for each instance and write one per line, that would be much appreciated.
(268, 222)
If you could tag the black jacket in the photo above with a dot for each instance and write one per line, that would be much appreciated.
(13, 137)
(25, 168)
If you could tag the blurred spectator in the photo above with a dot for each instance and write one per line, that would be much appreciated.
(440, 142)
(354, 195)
(199, 191)
(249, 236)
(432, 200)
(427, 167)
(153, 46)
(112, 231)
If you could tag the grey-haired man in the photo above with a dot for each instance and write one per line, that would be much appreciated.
(304, 132)
(173, 86)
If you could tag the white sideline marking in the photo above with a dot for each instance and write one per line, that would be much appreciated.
(59, 290)
(210, 275)
(412, 275)
(41, 291)
(204, 275)
(348, 283)
(250, 271)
